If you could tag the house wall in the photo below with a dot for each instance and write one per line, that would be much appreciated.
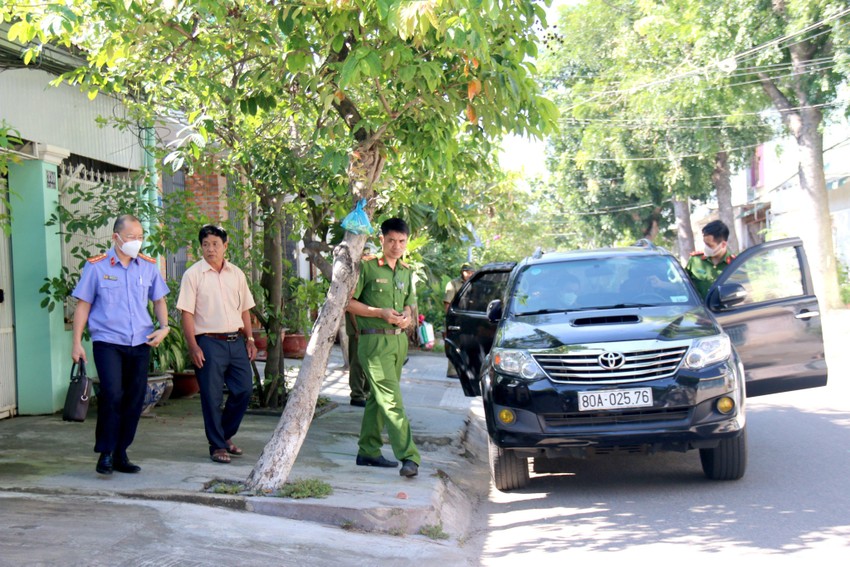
(59, 121)
(65, 117)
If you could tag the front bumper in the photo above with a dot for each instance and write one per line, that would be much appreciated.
(683, 416)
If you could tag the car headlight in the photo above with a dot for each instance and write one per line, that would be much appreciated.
(709, 350)
(518, 363)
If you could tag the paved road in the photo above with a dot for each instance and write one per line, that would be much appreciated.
(791, 508)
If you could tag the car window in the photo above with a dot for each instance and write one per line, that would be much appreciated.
(773, 274)
(600, 283)
(481, 291)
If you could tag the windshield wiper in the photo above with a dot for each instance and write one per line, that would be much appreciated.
(544, 312)
(623, 305)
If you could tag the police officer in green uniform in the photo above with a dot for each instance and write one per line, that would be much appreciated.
(357, 381)
(704, 266)
(383, 302)
(466, 271)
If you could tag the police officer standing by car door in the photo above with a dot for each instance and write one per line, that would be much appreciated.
(705, 266)
(383, 301)
(466, 271)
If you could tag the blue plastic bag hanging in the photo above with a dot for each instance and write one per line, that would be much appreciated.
(357, 221)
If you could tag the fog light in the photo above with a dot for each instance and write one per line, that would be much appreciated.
(506, 416)
(725, 405)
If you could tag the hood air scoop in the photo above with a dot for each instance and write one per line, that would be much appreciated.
(607, 320)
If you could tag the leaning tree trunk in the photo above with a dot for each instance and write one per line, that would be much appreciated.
(684, 229)
(721, 177)
(279, 454)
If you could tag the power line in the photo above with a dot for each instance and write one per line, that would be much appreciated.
(733, 59)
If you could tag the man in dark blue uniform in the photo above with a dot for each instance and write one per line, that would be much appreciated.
(112, 299)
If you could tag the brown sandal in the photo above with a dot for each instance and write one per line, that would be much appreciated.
(233, 449)
(220, 456)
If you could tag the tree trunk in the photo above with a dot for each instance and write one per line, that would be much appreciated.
(803, 121)
(272, 283)
(721, 177)
(278, 456)
(816, 230)
(684, 229)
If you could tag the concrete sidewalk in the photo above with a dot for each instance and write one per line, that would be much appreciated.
(44, 455)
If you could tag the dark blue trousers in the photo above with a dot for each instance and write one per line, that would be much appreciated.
(225, 362)
(123, 375)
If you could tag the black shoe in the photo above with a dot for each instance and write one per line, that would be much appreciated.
(124, 465)
(359, 403)
(409, 468)
(104, 463)
(375, 462)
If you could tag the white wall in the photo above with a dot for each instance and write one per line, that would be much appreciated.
(63, 116)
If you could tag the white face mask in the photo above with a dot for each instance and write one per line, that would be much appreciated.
(131, 248)
(711, 252)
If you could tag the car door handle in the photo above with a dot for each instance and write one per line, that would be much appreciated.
(807, 315)
(454, 328)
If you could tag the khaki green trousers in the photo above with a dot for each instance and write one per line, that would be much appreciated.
(381, 357)
(357, 381)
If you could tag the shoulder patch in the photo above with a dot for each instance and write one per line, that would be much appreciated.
(730, 258)
(147, 258)
(696, 253)
(96, 259)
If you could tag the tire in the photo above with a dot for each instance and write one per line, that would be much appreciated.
(508, 471)
(727, 461)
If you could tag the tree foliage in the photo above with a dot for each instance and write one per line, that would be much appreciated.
(355, 85)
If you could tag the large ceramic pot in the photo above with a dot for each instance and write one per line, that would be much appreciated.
(185, 384)
(294, 346)
(156, 387)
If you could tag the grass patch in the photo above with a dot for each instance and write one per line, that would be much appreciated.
(224, 487)
(305, 488)
(433, 531)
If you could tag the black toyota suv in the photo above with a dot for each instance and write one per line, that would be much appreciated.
(590, 352)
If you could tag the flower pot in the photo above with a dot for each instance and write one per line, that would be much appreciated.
(261, 341)
(185, 384)
(153, 393)
(294, 345)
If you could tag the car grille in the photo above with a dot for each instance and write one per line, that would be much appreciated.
(585, 367)
(619, 418)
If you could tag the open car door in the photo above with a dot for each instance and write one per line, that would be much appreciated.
(469, 333)
(765, 302)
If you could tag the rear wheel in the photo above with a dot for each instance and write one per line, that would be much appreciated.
(509, 472)
(727, 461)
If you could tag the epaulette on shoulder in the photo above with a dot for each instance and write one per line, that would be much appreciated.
(696, 253)
(96, 259)
(403, 263)
(147, 258)
(368, 257)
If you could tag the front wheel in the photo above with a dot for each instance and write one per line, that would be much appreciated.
(508, 471)
(727, 461)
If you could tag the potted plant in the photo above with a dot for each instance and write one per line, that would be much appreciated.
(305, 297)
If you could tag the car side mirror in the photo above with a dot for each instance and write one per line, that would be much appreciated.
(494, 310)
(731, 294)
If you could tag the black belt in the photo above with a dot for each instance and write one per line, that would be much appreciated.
(229, 337)
(381, 331)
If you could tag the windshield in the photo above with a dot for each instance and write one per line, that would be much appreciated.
(600, 283)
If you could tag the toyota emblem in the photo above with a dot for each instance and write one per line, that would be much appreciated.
(611, 360)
